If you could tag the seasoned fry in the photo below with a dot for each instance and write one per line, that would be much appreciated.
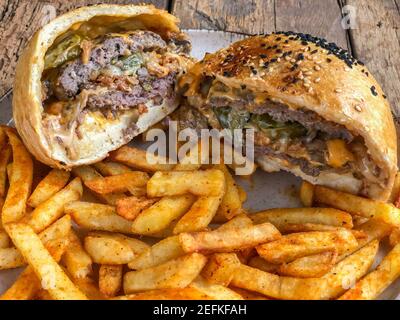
(359, 206)
(20, 182)
(88, 173)
(199, 216)
(215, 291)
(140, 159)
(130, 207)
(373, 284)
(167, 294)
(327, 287)
(249, 295)
(137, 246)
(110, 279)
(260, 263)
(10, 258)
(239, 221)
(5, 155)
(9, 171)
(307, 194)
(231, 239)
(108, 168)
(93, 216)
(89, 288)
(43, 295)
(177, 273)
(50, 210)
(76, 260)
(160, 215)
(4, 240)
(118, 183)
(163, 251)
(394, 195)
(394, 238)
(220, 268)
(313, 266)
(297, 245)
(200, 183)
(282, 217)
(48, 187)
(106, 250)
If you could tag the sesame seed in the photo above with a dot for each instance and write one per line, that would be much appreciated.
(306, 80)
(317, 68)
(307, 85)
(308, 73)
(347, 69)
(358, 108)
(317, 80)
(338, 90)
(293, 60)
(373, 90)
(279, 59)
(310, 89)
(300, 76)
(287, 58)
(318, 62)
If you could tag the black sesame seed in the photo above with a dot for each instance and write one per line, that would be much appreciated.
(300, 56)
(278, 50)
(304, 43)
(263, 56)
(384, 96)
(254, 71)
(314, 51)
(294, 67)
(278, 39)
(275, 46)
(263, 45)
(227, 74)
(273, 60)
(373, 90)
(243, 86)
(286, 41)
(329, 60)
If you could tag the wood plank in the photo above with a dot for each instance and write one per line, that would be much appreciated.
(319, 18)
(250, 17)
(19, 19)
(376, 41)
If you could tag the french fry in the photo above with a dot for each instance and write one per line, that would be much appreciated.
(110, 279)
(138, 247)
(43, 295)
(239, 221)
(76, 259)
(130, 207)
(199, 216)
(9, 171)
(249, 295)
(46, 268)
(20, 182)
(297, 245)
(106, 250)
(140, 159)
(48, 187)
(327, 287)
(357, 205)
(160, 215)
(259, 263)
(221, 268)
(4, 240)
(5, 156)
(163, 251)
(242, 194)
(228, 240)
(394, 237)
(282, 217)
(200, 183)
(3, 137)
(394, 195)
(50, 210)
(167, 294)
(88, 173)
(313, 266)
(374, 283)
(10, 258)
(177, 273)
(89, 288)
(93, 216)
(118, 183)
(307, 194)
(108, 168)
(215, 291)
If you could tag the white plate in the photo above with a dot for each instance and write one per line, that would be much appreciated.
(265, 190)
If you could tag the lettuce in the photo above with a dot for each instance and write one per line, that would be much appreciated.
(66, 50)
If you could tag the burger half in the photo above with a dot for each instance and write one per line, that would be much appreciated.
(94, 78)
(317, 112)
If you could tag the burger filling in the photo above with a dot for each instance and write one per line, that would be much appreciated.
(109, 75)
(299, 137)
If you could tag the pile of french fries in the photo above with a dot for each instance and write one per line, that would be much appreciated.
(161, 231)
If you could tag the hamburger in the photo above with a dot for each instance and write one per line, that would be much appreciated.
(316, 111)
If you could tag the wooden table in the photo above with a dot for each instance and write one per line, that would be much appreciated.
(374, 37)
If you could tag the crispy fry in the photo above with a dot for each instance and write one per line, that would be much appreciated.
(394, 195)
(239, 221)
(394, 238)
(76, 260)
(108, 168)
(167, 294)
(140, 159)
(305, 227)
(50, 210)
(130, 207)
(48, 187)
(88, 173)
(89, 288)
(200, 183)
(297, 245)
(10, 258)
(43, 295)
(215, 291)
(138, 247)
(199, 216)
(177, 273)
(110, 279)
(160, 215)
(5, 156)
(373, 284)
(313, 266)
(359, 206)
(4, 240)
(46, 268)
(20, 182)
(249, 295)
(307, 194)
(281, 217)
(163, 251)
(259, 263)
(93, 216)
(227, 240)
(220, 268)
(118, 183)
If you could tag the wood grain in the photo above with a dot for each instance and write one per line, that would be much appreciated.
(19, 19)
(250, 17)
(376, 41)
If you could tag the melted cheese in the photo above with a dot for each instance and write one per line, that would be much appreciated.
(338, 154)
